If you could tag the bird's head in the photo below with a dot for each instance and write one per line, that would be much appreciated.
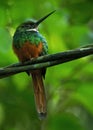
(32, 25)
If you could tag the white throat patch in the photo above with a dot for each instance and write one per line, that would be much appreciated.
(33, 29)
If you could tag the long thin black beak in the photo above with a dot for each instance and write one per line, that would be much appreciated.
(42, 19)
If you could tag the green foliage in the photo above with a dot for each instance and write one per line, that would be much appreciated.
(64, 121)
(69, 86)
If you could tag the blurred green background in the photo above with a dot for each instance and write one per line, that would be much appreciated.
(69, 86)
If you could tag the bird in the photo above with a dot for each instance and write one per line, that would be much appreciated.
(29, 43)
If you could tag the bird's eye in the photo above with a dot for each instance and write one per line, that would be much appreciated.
(26, 25)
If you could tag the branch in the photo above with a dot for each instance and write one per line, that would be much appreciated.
(46, 61)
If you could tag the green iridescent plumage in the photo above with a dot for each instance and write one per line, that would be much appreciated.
(33, 37)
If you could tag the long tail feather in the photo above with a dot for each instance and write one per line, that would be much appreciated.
(39, 93)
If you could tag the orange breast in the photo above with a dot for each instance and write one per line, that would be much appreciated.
(28, 51)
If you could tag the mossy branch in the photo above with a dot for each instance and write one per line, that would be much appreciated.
(46, 61)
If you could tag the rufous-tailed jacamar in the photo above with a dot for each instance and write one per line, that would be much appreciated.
(28, 43)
